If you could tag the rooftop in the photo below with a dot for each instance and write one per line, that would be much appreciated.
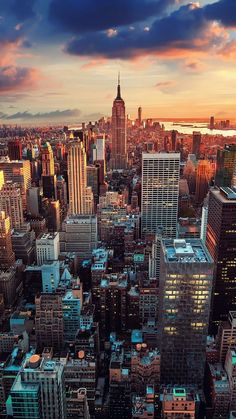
(186, 251)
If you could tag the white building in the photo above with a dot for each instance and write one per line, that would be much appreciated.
(160, 192)
(99, 149)
(47, 247)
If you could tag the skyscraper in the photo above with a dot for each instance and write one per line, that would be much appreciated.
(225, 166)
(203, 177)
(7, 257)
(119, 154)
(140, 116)
(47, 160)
(197, 137)
(15, 149)
(11, 203)
(221, 243)
(184, 298)
(160, 191)
(80, 196)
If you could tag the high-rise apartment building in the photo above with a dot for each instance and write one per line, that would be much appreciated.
(11, 204)
(17, 172)
(160, 192)
(7, 257)
(225, 166)
(221, 243)
(80, 196)
(118, 152)
(47, 247)
(184, 309)
(197, 138)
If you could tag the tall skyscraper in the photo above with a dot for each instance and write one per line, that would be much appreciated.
(80, 196)
(140, 116)
(47, 160)
(11, 203)
(226, 166)
(203, 177)
(118, 152)
(7, 257)
(197, 138)
(160, 192)
(15, 149)
(221, 243)
(184, 297)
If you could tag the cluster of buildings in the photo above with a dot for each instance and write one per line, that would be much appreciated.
(117, 274)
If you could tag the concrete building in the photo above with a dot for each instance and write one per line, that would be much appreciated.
(72, 303)
(226, 335)
(47, 247)
(23, 244)
(145, 368)
(17, 172)
(79, 234)
(47, 160)
(230, 368)
(15, 149)
(7, 257)
(178, 402)
(49, 324)
(39, 390)
(11, 204)
(160, 191)
(218, 391)
(50, 275)
(184, 308)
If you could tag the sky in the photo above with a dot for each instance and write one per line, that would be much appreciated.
(59, 59)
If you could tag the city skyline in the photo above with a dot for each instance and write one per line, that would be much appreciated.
(60, 62)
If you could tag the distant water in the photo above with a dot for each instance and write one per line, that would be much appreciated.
(188, 128)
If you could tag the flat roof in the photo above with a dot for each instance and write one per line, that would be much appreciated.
(186, 251)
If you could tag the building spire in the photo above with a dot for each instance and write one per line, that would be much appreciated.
(118, 88)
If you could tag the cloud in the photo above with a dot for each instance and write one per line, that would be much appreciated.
(14, 78)
(185, 28)
(52, 115)
(165, 85)
(223, 11)
(91, 16)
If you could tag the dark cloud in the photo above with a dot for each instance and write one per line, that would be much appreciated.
(179, 29)
(55, 115)
(13, 78)
(223, 11)
(79, 16)
(20, 9)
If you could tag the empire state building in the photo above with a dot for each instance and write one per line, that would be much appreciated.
(118, 152)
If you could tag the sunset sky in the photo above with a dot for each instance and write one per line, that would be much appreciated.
(59, 59)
